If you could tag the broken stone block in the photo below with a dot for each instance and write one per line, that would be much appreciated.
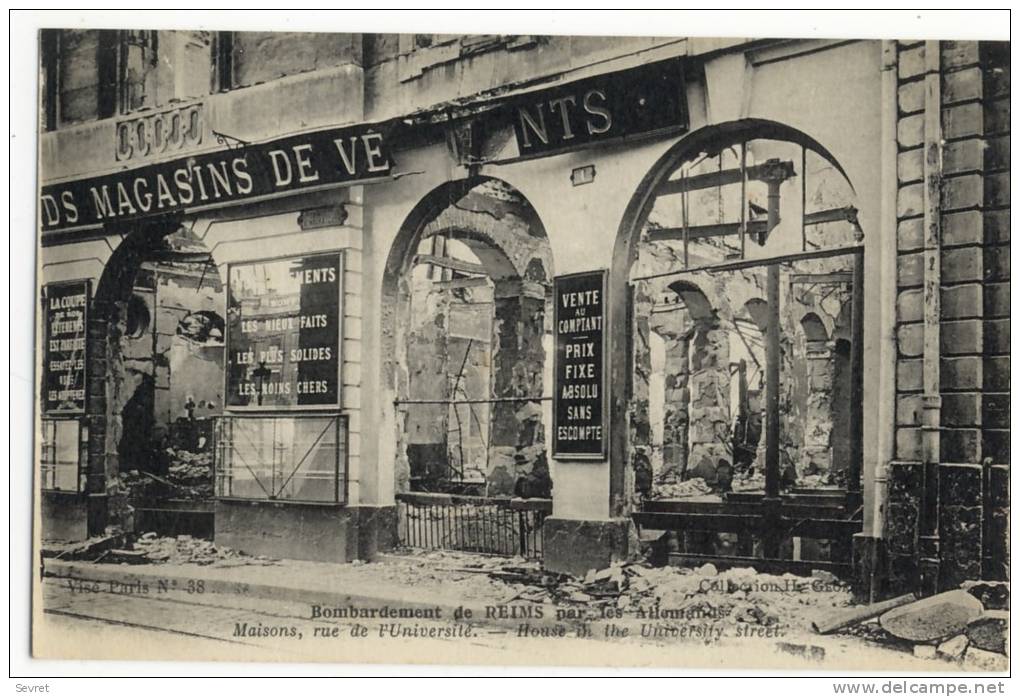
(953, 649)
(978, 659)
(824, 576)
(707, 570)
(994, 595)
(990, 631)
(925, 651)
(934, 618)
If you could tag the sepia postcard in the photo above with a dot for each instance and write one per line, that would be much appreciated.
(522, 349)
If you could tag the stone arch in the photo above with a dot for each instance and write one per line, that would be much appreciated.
(697, 303)
(813, 327)
(626, 392)
(757, 310)
(123, 386)
(505, 262)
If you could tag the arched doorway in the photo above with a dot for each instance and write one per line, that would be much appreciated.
(156, 342)
(467, 339)
(762, 220)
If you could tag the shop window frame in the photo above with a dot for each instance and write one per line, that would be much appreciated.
(272, 494)
(779, 171)
(49, 444)
(283, 410)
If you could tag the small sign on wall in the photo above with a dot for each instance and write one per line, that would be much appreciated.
(283, 333)
(580, 426)
(64, 351)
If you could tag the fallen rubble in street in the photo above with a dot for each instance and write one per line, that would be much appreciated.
(119, 548)
(185, 549)
(968, 626)
(738, 595)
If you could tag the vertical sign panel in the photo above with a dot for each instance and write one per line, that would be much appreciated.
(66, 316)
(283, 333)
(580, 430)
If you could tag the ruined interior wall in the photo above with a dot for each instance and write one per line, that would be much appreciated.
(187, 369)
(695, 409)
(517, 450)
(482, 335)
(972, 503)
(470, 377)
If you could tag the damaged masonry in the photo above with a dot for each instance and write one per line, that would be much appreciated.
(585, 321)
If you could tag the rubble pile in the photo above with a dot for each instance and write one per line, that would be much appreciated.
(84, 550)
(751, 480)
(183, 549)
(968, 626)
(739, 595)
(680, 489)
(191, 473)
(473, 576)
(188, 476)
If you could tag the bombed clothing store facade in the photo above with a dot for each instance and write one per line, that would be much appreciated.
(319, 296)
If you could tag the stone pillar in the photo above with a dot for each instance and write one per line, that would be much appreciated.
(426, 425)
(709, 387)
(639, 414)
(517, 453)
(816, 453)
(676, 429)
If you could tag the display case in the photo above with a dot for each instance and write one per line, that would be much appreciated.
(63, 447)
(297, 458)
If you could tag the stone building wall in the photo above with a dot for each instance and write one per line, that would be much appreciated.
(948, 492)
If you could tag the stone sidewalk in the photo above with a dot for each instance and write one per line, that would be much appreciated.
(501, 594)
(412, 581)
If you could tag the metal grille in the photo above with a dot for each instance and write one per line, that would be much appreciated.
(505, 527)
(282, 457)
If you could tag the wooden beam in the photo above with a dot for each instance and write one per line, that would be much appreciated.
(832, 215)
(751, 263)
(722, 178)
(463, 283)
(450, 263)
(754, 227)
(698, 232)
(834, 277)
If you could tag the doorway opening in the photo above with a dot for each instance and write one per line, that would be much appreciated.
(162, 327)
(472, 342)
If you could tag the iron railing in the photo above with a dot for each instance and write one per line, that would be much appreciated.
(500, 526)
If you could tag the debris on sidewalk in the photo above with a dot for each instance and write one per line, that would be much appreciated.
(990, 631)
(185, 549)
(980, 660)
(966, 625)
(681, 489)
(994, 595)
(88, 549)
(740, 595)
(932, 619)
